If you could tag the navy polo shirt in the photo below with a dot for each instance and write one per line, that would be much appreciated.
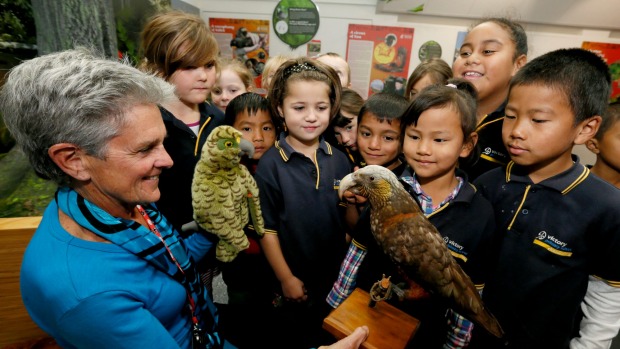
(299, 201)
(554, 234)
(490, 146)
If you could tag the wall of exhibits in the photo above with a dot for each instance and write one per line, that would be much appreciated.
(437, 27)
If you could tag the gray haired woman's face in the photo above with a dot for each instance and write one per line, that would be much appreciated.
(129, 173)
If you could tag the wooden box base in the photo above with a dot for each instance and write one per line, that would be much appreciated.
(389, 327)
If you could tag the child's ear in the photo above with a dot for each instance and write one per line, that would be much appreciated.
(592, 145)
(469, 145)
(519, 63)
(70, 159)
(587, 129)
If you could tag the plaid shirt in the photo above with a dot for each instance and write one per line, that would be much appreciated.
(459, 328)
(348, 274)
(426, 202)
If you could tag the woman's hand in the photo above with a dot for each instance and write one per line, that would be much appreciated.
(352, 341)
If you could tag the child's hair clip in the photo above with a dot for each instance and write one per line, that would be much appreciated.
(298, 68)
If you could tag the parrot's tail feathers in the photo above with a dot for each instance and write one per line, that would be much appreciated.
(487, 321)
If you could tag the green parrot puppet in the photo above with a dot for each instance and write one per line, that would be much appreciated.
(224, 191)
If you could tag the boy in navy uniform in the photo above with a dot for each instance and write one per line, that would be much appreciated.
(557, 278)
(606, 146)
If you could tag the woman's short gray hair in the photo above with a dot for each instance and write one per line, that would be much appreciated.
(73, 97)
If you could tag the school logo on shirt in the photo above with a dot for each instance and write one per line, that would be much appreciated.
(553, 244)
(456, 249)
(494, 155)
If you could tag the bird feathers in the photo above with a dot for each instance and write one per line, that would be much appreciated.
(414, 244)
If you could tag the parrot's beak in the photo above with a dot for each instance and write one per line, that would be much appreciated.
(347, 182)
(246, 148)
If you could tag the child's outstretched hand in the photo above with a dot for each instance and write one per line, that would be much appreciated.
(352, 198)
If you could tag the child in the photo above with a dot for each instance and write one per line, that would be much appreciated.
(251, 115)
(606, 147)
(233, 80)
(344, 125)
(492, 52)
(298, 182)
(341, 66)
(437, 129)
(180, 48)
(432, 71)
(249, 311)
(560, 247)
(378, 130)
(273, 63)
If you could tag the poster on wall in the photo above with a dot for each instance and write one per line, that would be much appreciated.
(429, 50)
(296, 22)
(611, 54)
(379, 58)
(313, 48)
(243, 39)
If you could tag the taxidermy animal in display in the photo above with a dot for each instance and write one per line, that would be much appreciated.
(224, 192)
(414, 244)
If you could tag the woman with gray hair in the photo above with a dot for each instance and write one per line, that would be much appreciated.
(105, 269)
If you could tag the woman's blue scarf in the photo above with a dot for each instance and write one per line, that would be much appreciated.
(143, 243)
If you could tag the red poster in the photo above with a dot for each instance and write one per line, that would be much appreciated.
(379, 58)
(611, 54)
(244, 39)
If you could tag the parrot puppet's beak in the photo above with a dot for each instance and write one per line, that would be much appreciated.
(246, 148)
(347, 182)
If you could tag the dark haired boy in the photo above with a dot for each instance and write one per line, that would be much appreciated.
(378, 130)
(606, 146)
(555, 283)
(249, 312)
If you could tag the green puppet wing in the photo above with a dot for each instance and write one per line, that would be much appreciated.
(224, 193)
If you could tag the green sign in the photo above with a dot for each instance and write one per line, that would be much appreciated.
(295, 21)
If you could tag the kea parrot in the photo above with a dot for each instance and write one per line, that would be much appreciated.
(224, 191)
(413, 243)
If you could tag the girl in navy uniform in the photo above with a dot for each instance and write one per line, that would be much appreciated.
(298, 179)
(344, 125)
(492, 52)
(432, 71)
(437, 129)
